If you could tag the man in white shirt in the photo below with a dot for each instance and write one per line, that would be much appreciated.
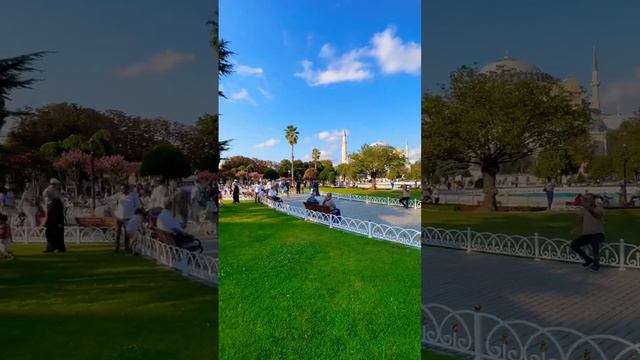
(591, 231)
(126, 204)
(273, 195)
(168, 223)
(158, 195)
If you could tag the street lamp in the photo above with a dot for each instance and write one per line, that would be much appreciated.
(625, 160)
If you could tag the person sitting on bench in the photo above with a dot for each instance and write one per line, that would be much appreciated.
(273, 195)
(328, 202)
(168, 223)
(312, 200)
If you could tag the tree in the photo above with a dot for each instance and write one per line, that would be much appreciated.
(167, 161)
(11, 78)
(291, 134)
(315, 155)
(415, 173)
(270, 174)
(284, 167)
(564, 159)
(310, 174)
(341, 170)
(328, 174)
(208, 146)
(375, 160)
(489, 121)
(221, 49)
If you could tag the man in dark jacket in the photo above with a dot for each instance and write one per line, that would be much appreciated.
(54, 225)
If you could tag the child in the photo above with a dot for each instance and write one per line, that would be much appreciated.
(135, 227)
(5, 237)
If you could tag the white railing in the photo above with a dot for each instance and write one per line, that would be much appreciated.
(73, 234)
(617, 254)
(199, 266)
(389, 201)
(487, 337)
(409, 237)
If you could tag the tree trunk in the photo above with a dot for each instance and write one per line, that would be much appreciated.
(489, 172)
(373, 182)
(292, 162)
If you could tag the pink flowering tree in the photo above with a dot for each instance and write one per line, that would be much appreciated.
(72, 163)
(206, 176)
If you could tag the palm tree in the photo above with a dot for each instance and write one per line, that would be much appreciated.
(11, 70)
(315, 155)
(291, 134)
(221, 49)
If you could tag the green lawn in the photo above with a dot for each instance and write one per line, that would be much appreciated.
(619, 224)
(290, 289)
(90, 303)
(415, 194)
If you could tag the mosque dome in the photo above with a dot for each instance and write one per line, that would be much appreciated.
(515, 69)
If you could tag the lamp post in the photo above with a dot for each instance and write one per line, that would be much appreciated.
(625, 160)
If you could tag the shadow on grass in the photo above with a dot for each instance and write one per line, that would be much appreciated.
(90, 303)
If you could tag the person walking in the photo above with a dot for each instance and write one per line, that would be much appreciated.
(54, 223)
(125, 207)
(549, 189)
(28, 204)
(298, 187)
(236, 192)
(404, 198)
(591, 231)
(5, 237)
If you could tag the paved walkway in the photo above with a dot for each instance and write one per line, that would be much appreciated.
(382, 214)
(547, 293)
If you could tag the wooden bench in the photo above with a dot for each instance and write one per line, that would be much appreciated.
(170, 239)
(317, 207)
(99, 222)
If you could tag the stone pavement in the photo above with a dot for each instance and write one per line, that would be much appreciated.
(382, 214)
(547, 293)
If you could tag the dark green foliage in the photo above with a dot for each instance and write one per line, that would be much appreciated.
(270, 174)
(167, 161)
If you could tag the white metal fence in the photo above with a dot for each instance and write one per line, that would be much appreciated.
(409, 237)
(617, 254)
(72, 234)
(389, 201)
(484, 336)
(199, 266)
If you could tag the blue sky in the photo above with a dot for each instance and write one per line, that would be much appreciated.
(557, 36)
(145, 57)
(362, 74)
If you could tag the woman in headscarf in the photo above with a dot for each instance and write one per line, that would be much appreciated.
(54, 225)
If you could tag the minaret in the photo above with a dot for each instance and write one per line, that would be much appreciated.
(406, 155)
(595, 83)
(345, 157)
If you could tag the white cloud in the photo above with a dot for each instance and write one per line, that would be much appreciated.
(624, 94)
(249, 71)
(242, 95)
(160, 63)
(265, 93)
(393, 55)
(326, 154)
(390, 52)
(330, 136)
(268, 143)
(346, 68)
(327, 51)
